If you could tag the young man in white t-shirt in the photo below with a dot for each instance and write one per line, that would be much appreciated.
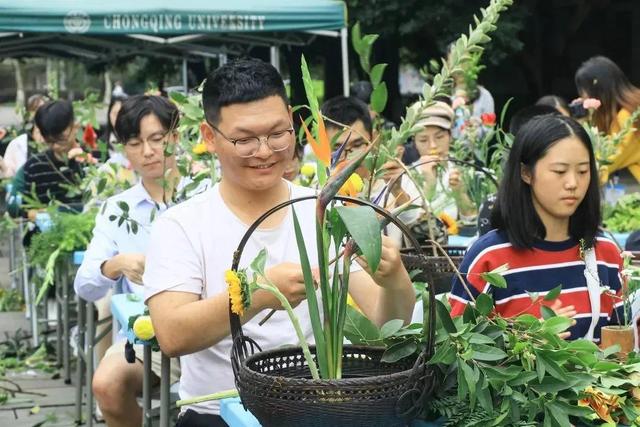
(249, 128)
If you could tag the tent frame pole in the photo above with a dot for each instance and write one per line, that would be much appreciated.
(344, 44)
(185, 76)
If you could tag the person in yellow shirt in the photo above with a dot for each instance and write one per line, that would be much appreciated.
(600, 78)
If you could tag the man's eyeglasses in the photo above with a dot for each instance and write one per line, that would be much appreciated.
(249, 146)
(155, 141)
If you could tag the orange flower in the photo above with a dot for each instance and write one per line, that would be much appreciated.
(602, 404)
(322, 147)
(449, 222)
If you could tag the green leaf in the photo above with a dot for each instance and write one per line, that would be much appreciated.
(484, 304)
(112, 217)
(557, 324)
(179, 97)
(611, 350)
(481, 339)
(376, 74)
(551, 366)
(123, 206)
(494, 279)
(487, 353)
(312, 302)
(399, 351)
(553, 293)
(582, 345)
(134, 227)
(445, 354)
(391, 327)
(445, 317)
(362, 224)
(259, 262)
(101, 185)
(359, 329)
(559, 414)
(546, 312)
(379, 97)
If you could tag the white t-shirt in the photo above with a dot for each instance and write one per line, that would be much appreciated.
(16, 155)
(190, 248)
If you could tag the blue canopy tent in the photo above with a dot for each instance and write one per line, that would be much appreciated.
(99, 31)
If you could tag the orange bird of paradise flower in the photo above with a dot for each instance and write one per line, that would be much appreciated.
(322, 147)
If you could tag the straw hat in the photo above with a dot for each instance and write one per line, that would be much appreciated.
(438, 114)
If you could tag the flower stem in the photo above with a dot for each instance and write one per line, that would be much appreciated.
(208, 397)
(296, 325)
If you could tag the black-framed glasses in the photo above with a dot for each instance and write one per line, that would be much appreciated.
(249, 146)
(155, 141)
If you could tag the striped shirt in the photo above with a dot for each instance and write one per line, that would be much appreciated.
(539, 270)
(52, 178)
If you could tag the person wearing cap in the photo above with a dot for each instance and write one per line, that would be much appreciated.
(432, 143)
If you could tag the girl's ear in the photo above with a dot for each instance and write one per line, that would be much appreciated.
(525, 173)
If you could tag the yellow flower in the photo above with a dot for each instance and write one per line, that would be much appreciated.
(235, 292)
(143, 328)
(199, 148)
(308, 170)
(449, 222)
(352, 187)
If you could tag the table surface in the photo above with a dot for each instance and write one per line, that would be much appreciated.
(123, 307)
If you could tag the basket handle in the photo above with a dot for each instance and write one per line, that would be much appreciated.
(393, 182)
(234, 319)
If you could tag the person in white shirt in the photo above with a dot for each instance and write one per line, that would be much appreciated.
(17, 150)
(249, 127)
(432, 143)
(116, 254)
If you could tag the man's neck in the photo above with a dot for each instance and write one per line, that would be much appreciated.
(249, 205)
(161, 192)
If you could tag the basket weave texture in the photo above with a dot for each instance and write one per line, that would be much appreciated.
(275, 387)
(435, 270)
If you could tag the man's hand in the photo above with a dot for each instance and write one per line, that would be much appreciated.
(391, 272)
(129, 265)
(289, 279)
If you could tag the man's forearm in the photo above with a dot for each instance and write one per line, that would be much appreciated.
(188, 327)
(395, 303)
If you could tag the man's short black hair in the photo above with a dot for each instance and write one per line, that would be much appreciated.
(238, 82)
(528, 113)
(53, 118)
(347, 110)
(137, 107)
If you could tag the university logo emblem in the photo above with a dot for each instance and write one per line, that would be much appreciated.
(77, 22)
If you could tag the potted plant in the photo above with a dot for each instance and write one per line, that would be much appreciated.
(622, 334)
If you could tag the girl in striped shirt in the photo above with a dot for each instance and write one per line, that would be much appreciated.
(546, 223)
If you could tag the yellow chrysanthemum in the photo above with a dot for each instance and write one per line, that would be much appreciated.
(143, 328)
(308, 170)
(199, 148)
(352, 187)
(449, 222)
(235, 292)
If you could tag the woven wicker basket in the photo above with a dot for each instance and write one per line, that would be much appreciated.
(275, 385)
(435, 270)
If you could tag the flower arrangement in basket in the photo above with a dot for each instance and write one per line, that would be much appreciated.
(330, 383)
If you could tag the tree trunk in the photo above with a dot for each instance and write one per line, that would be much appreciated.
(20, 96)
